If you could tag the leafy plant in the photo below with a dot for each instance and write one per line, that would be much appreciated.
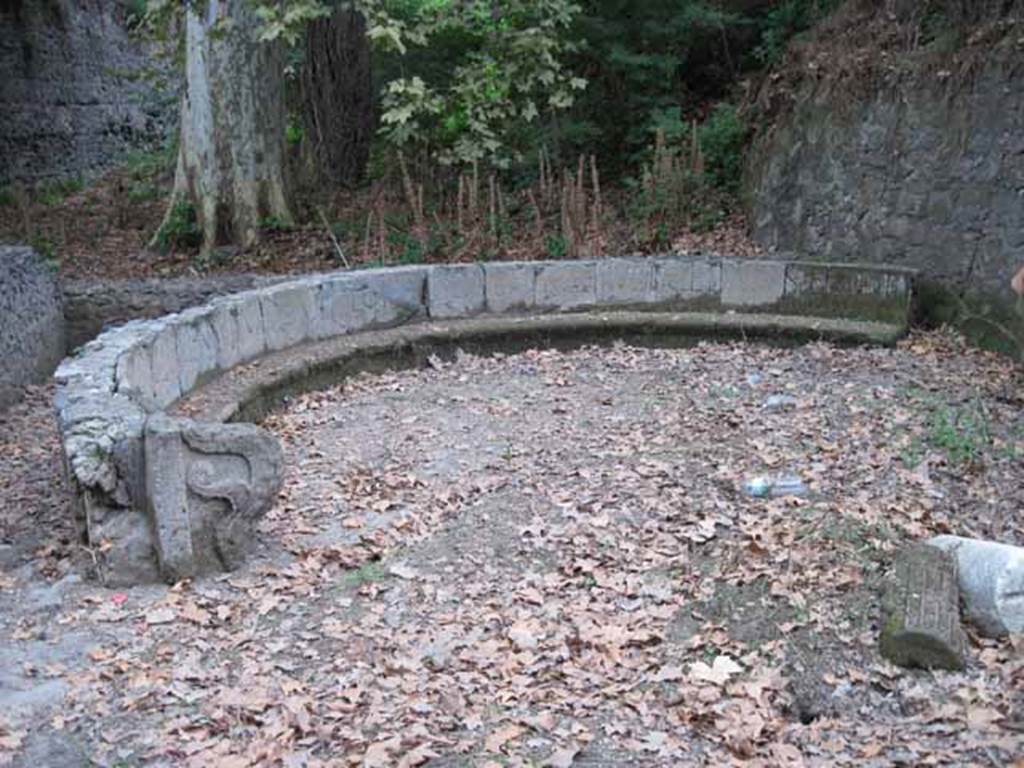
(275, 224)
(55, 193)
(962, 433)
(143, 191)
(180, 229)
(722, 138)
(556, 246)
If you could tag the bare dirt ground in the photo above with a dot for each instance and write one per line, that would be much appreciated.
(545, 558)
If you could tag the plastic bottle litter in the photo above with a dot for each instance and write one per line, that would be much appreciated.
(780, 403)
(774, 487)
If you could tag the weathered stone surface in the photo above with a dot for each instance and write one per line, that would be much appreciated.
(31, 322)
(991, 579)
(197, 347)
(509, 287)
(922, 611)
(673, 280)
(625, 281)
(893, 176)
(748, 283)
(206, 485)
(566, 285)
(131, 503)
(73, 98)
(707, 276)
(360, 301)
(290, 314)
(455, 291)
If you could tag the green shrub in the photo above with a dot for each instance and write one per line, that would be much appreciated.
(143, 191)
(722, 139)
(180, 229)
(56, 192)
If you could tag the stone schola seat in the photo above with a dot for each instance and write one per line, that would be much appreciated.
(164, 495)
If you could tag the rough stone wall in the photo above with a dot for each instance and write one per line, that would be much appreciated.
(928, 174)
(31, 322)
(71, 98)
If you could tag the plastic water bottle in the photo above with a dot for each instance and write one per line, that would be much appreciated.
(768, 487)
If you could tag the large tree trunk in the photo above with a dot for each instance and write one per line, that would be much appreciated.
(337, 95)
(231, 160)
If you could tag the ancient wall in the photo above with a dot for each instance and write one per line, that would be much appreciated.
(31, 322)
(926, 173)
(73, 92)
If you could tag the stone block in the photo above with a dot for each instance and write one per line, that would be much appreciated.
(625, 281)
(206, 486)
(380, 298)
(198, 347)
(164, 360)
(135, 374)
(289, 312)
(707, 276)
(991, 579)
(455, 291)
(509, 287)
(673, 280)
(237, 324)
(747, 283)
(922, 612)
(566, 285)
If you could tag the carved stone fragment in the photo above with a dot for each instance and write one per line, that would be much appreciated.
(922, 611)
(206, 485)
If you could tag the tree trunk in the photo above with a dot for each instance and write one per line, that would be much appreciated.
(231, 158)
(337, 91)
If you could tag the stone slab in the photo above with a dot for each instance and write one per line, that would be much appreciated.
(991, 580)
(455, 291)
(625, 281)
(749, 283)
(568, 285)
(922, 611)
(509, 287)
(673, 280)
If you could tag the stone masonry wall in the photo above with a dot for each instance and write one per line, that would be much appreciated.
(31, 322)
(72, 100)
(927, 174)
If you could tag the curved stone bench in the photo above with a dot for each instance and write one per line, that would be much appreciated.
(165, 488)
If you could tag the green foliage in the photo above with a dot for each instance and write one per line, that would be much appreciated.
(505, 70)
(180, 230)
(7, 197)
(961, 432)
(135, 13)
(56, 192)
(650, 66)
(143, 191)
(275, 224)
(150, 165)
(556, 246)
(786, 19)
(294, 133)
(722, 138)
